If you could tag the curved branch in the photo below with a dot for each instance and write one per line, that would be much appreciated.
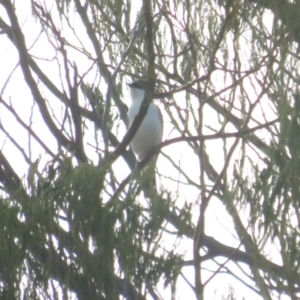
(82, 11)
(19, 42)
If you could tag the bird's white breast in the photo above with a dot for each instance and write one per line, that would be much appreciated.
(149, 133)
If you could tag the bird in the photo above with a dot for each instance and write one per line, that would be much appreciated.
(148, 136)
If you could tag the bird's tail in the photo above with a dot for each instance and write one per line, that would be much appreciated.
(149, 180)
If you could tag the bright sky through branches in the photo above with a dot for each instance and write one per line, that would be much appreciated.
(245, 72)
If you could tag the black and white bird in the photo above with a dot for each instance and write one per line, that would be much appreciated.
(149, 134)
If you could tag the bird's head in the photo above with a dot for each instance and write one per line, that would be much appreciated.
(137, 89)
